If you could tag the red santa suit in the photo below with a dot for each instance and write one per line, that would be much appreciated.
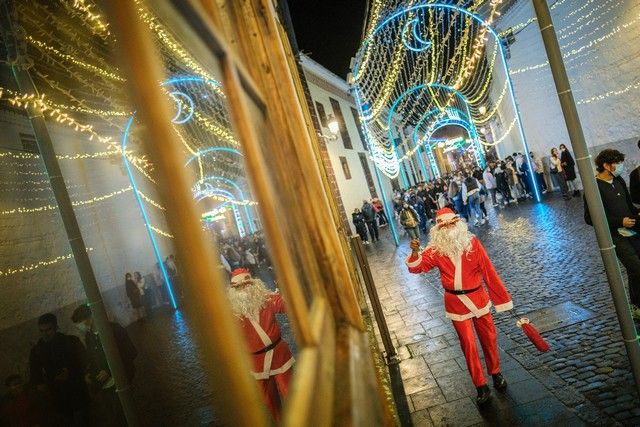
(467, 302)
(271, 356)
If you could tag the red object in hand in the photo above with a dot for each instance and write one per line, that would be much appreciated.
(533, 334)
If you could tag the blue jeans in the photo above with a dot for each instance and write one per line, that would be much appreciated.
(459, 206)
(474, 206)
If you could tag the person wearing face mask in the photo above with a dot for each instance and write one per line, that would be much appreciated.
(410, 220)
(622, 217)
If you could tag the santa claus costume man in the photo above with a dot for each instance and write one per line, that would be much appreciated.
(255, 306)
(464, 264)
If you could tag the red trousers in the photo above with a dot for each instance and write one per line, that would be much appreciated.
(486, 331)
(274, 392)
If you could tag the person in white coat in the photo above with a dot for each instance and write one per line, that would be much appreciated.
(490, 184)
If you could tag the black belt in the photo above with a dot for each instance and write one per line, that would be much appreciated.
(267, 348)
(461, 292)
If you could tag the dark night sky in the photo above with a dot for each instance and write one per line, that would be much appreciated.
(329, 30)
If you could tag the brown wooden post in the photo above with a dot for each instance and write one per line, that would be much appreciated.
(226, 361)
(260, 36)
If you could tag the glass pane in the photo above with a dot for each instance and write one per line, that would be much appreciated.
(69, 52)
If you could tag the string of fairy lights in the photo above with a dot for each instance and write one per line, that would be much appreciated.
(414, 56)
(587, 31)
(440, 64)
(81, 90)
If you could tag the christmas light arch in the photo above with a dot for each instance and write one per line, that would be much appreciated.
(417, 65)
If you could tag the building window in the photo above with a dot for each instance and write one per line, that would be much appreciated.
(337, 113)
(321, 114)
(356, 119)
(367, 174)
(345, 167)
(29, 143)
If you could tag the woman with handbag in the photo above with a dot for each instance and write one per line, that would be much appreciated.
(558, 174)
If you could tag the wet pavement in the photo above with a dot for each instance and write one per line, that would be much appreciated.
(170, 387)
(546, 255)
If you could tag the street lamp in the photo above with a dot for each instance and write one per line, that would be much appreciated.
(334, 128)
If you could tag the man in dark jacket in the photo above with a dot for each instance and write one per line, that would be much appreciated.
(360, 225)
(56, 366)
(370, 218)
(621, 217)
(97, 369)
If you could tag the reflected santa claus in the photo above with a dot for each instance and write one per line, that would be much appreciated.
(464, 265)
(255, 306)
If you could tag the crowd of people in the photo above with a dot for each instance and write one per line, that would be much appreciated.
(466, 192)
(146, 293)
(70, 382)
(368, 218)
(249, 252)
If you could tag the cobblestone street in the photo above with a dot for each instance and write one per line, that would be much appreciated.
(546, 255)
(170, 387)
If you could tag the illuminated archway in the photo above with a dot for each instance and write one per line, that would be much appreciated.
(202, 125)
(427, 50)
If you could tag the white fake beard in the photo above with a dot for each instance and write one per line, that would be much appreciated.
(451, 241)
(247, 301)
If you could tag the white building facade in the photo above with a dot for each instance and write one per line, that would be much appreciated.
(351, 167)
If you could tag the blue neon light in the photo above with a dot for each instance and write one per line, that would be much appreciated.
(426, 44)
(385, 203)
(493, 32)
(147, 223)
(209, 150)
(175, 80)
(175, 95)
(237, 187)
(395, 104)
(236, 214)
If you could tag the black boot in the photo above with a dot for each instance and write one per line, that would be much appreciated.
(499, 383)
(484, 393)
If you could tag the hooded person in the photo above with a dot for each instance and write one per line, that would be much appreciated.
(255, 306)
(464, 264)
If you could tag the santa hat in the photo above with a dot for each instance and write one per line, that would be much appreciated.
(239, 275)
(445, 215)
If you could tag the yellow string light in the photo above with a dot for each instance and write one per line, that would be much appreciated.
(502, 138)
(90, 67)
(609, 94)
(96, 21)
(34, 266)
(96, 199)
(574, 52)
(170, 43)
(161, 232)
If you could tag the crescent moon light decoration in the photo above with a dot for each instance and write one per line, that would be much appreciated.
(182, 98)
(410, 29)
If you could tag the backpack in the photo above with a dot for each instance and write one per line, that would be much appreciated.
(471, 184)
